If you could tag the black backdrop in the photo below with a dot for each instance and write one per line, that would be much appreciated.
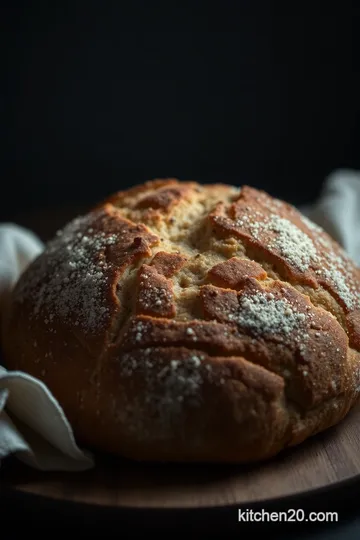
(98, 95)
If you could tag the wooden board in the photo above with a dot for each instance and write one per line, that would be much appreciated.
(323, 461)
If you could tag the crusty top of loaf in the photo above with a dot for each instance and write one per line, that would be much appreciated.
(208, 268)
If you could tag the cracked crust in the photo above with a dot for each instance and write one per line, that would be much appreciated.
(187, 322)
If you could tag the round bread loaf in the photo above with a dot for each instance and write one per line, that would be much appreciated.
(185, 322)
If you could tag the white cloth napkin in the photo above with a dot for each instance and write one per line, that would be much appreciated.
(32, 423)
(338, 210)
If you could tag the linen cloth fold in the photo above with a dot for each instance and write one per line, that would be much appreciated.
(33, 425)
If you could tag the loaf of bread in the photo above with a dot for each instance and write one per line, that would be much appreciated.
(184, 322)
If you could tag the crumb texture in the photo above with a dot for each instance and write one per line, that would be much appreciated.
(179, 321)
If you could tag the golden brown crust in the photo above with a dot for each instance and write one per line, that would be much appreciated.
(233, 273)
(155, 294)
(300, 251)
(163, 199)
(168, 264)
(178, 321)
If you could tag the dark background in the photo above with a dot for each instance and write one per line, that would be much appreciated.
(97, 96)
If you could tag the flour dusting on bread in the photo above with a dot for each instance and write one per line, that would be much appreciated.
(180, 322)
